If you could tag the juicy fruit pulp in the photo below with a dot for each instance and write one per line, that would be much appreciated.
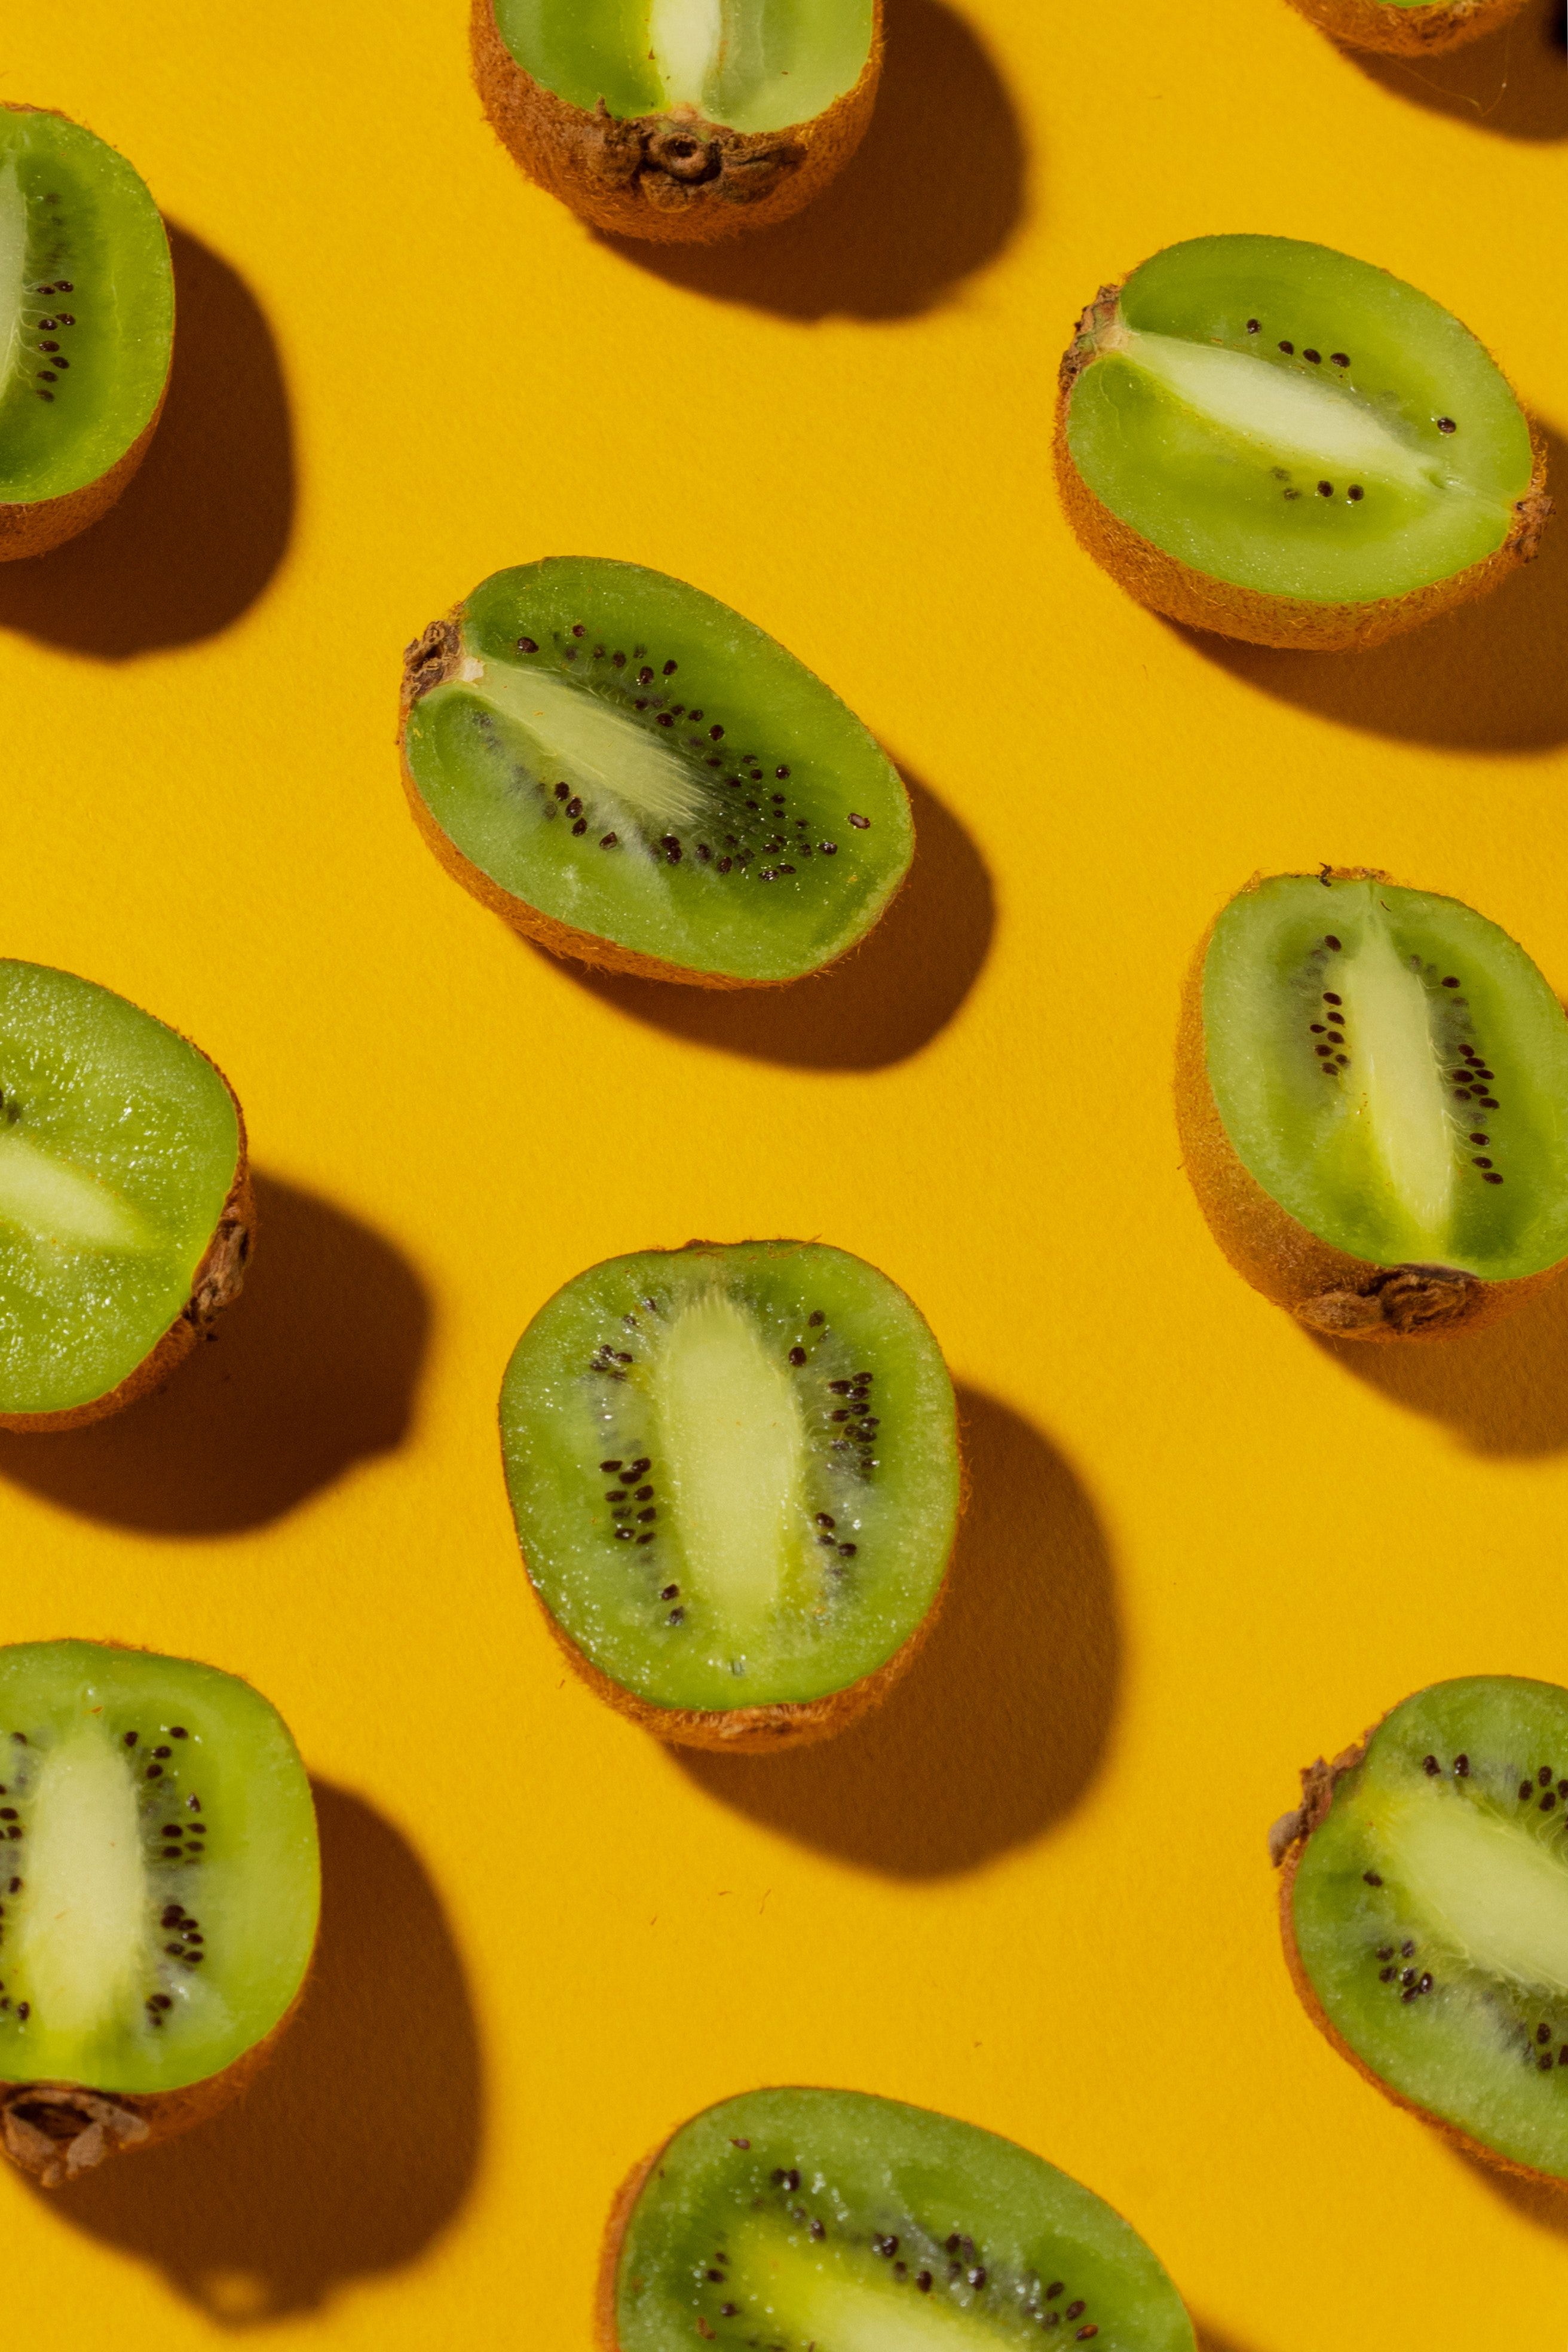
(796, 2218)
(1429, 1911)
(1285, 419)
(734, 1470)
(160, 1885)
(87, 307)
(119, 1143)
(753, 64)
(628, 760)
(1392, 1070)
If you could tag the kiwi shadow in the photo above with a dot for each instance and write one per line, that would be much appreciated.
(1490, 678)
(1512, 83)
(1000, 1725)
(1502, 1392)
(205, 522)
(879, 1006)
(1215, 2339)
(357, 2146)
(1543, 2202)
(935, 191)
(315, 1368)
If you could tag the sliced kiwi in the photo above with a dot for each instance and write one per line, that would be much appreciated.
(1411, 29)
(159, 1889)
(682, 120)
(1373, 1093)
(811, 2220)
(1269, 439)
(125, 1200)
(632, 775)
(734, 1473)
(87, 327)
(1424, 1908)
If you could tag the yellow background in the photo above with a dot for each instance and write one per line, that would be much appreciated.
(1201, 1548)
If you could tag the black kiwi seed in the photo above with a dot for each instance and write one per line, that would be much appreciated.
(1462, 1767)
(797, 1355)
(1372, 1878)
(1407, 1948)
(1430, 1766)
(1287, 348)
(1526, 1790)
(1545, 1775)
(1446, 424)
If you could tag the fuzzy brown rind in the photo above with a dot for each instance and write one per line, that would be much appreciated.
(1409, 32)
(217, 1284)
(671, 178)
(1288, 1843)
(429, 662)
(606, 2332)
(1342, 1297)
(1287, 623)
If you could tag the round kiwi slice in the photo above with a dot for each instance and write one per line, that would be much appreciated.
(1272, 440)
(1372, 1097)
(1410, 28)
(803, 2219)
(125, 1199)
(87, 327)
(159, 1890)
(681, 121)
(734, 1473)
(631, 773)
(1424, 1908)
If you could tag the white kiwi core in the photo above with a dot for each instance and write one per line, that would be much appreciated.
(1493, 1892)
(834, 2297)
(579, 740)
(1400, 1092)
(13, 273)
(57, 1204)
(80, 1938)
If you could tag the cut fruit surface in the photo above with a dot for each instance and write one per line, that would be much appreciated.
(1426, 1911)
(734, 1473)
(802, 2218)
(634, 774)
(121, 1160)
(159, 1881)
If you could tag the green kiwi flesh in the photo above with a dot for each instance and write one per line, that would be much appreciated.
(1284, 419)
(1392, 1070)
(86, 316)
(159, 1879)
(1429, 1911)
(639, 777)
(119, 1147)
(802, 2219)
(733, 1469)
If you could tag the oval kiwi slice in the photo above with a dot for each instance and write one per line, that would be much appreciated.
(87, 327)
(1424, 1908)
(682, 120)
(631, 773)
(158, 1891)
(734, 1473)
(803, 2218)
(1372, 1095)
(1411, 29)
(125, 1201)
(1270, 439)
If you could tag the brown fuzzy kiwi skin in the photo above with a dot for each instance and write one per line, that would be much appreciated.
(1336, 1295)
(1417, 32)
(216, 1282)
(1287, 623)
(675, 178)
(606, 2332)
(429, 662)
(1287, 1844)
(34, 525)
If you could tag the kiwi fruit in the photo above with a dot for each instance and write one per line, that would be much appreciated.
(632, 775)
(679, 120)
(158, 1893)
(1372, 1097)
(1410, 28)
(735, 1477)
(1272, 440)
(87, 327)
(125, 1199)
(813, 2221)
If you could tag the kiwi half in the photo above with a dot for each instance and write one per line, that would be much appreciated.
(1269, 439)
(158, 1893)
(630, 773)
(1372, 1098)
(1410, 28)
(814, 2221)
(125, 1201)
(680, 120)
(87, 327)
(1424, 1908)
(734, 1473)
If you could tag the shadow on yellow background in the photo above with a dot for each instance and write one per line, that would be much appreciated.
(203, 526)
(1213, 2339)
(1513, 84)
(313, 1369)
(1539, 2201)
(359, 2143)
(1000, 1725)
(1502, 1392)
